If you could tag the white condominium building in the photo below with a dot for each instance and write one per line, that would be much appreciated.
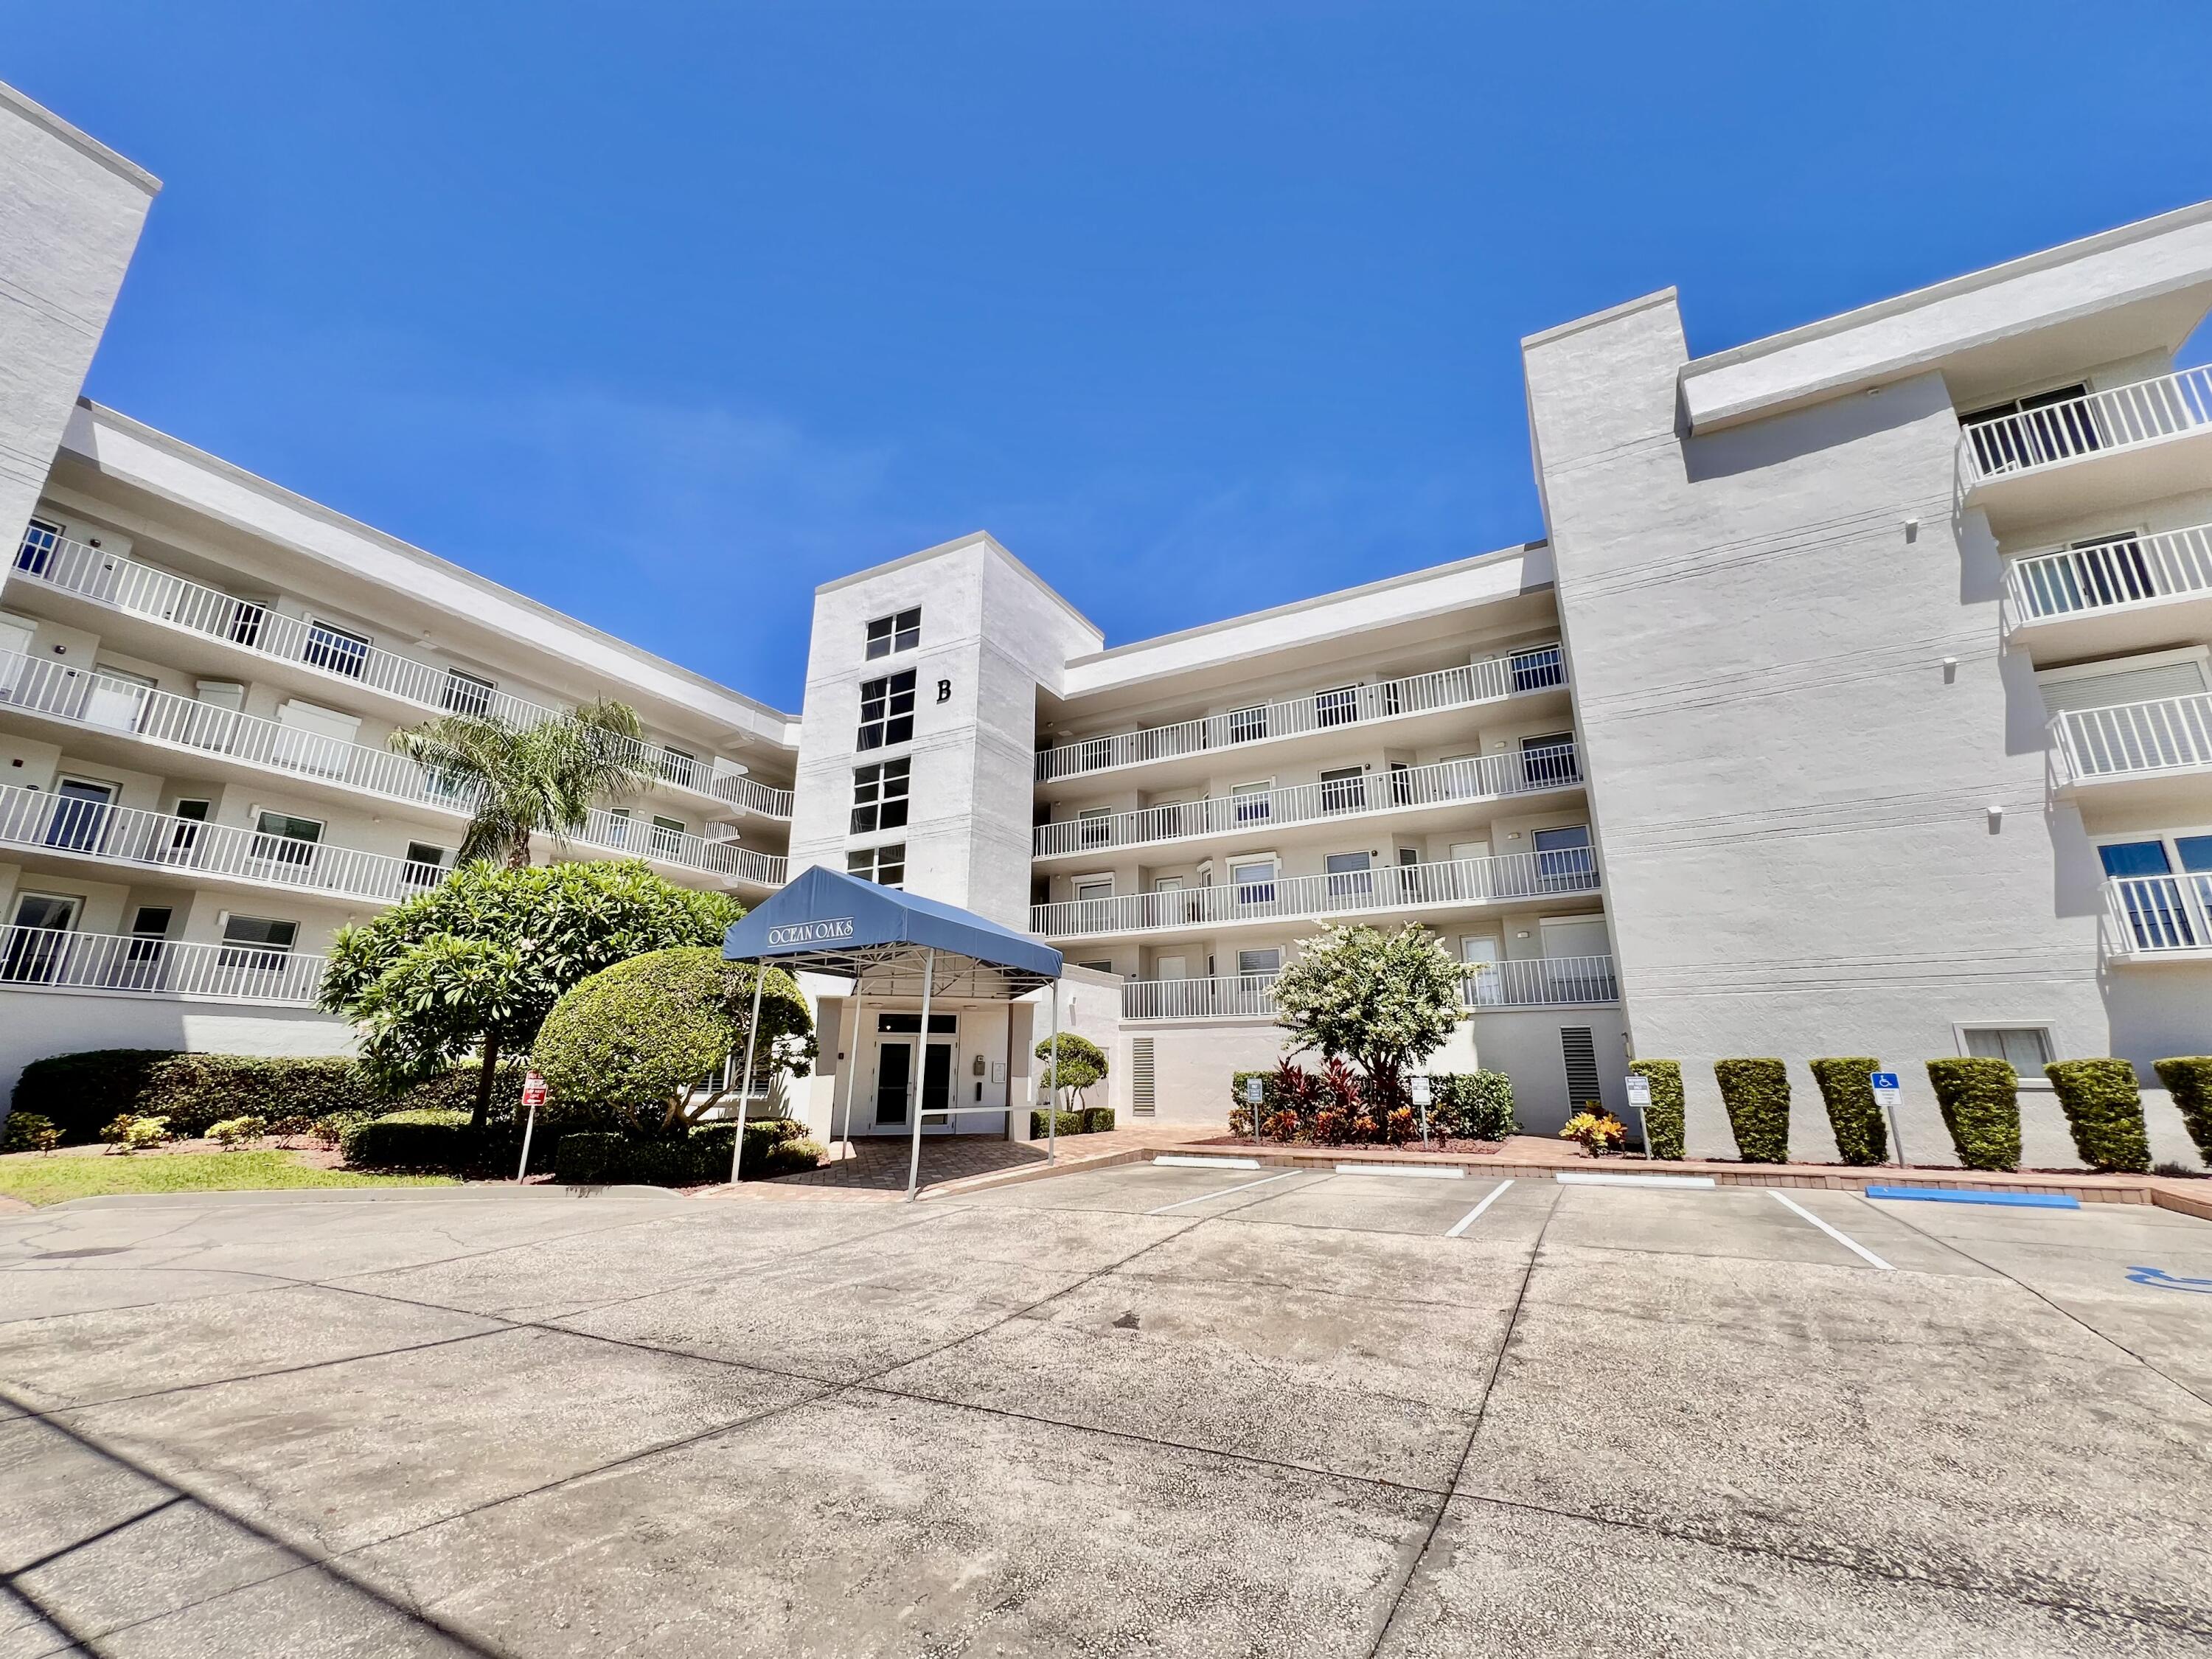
(1854, 700)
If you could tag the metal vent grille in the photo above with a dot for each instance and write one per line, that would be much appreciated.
(1141, 1096)
(1579, 1053)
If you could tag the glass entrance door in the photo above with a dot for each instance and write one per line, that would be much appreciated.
(80, 815)
(894, 1075)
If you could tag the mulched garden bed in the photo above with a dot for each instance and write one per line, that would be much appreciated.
(1353, 1148)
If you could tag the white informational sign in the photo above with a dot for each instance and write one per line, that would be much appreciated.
(1255, 1091)
(1639, 1091)
(1885, 1089)
(1418, 1088)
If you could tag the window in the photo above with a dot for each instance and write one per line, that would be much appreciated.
(149, 927)
(1549, 760)
(911, 1024)
(245, 620)
(425, 864)
(1350, 875)
(1254, 880)
(879, 795)
(1099, 887)
(1269, 961)
(1248, 725)
(1338, 708)
(890, 633)
(466, 694)
(185, 833)
(2028, 431)
(1098, 967)
(1092, 829)
(282, 839)
(886, 711)
(1563, 862)
(1344, 790)
(1533, 671)
(2025, 1049)
(668, 837)
(1254, 801)
(340, 650)
(884, 866)
(257, 942)
(41, 541)
(680, 765)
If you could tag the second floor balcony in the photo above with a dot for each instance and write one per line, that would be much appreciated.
(2112, 595)
(1490, 679)
(1536, 982)
(1405, 790)
(2159, 918)
(2139, 752)
(56, 959)
(612, 831)
(1458, 883)
(2090, 450)
(326, 652)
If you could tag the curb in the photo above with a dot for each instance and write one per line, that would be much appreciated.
(249, 1197)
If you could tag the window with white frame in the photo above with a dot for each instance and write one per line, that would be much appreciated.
(261, 942)
(1337, 707)
(1267, 961)
(281, 838)
(338, 650)
(467, 694)
(884, 866)
(879, 795)
(1254, 880)
(902, 632)
(1254, 804)
(1093, 829)
(886, 711)
(2025, 1049)
(41, 540)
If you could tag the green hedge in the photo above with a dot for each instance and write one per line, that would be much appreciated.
(2188, 1080)
(2104, 1110)
(80, 1092)
(1471, 1105)
(1665, 1120)
(1847, 1088)
(1980, 1104)
(1068, 1123)
(430, 1139)
(1757, 1095)
(595, 1157)
(1097, 1120)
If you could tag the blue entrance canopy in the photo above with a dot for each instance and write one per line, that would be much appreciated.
(825, 921)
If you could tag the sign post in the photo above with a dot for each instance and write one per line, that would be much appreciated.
(533, 1097)
(1255, 1094)
(1888, 1097)
(1639, 1097)
(1420, 1088)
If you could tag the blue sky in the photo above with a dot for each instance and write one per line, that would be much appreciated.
(664, 313)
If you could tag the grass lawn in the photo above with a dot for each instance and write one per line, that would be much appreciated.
(41, 1180)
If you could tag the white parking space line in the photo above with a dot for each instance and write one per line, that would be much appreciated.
(1836, 1233)
(1475, 1214)
(1426, 1171)
(1175, 1160)
(1242, 1187)
(1570, 1178)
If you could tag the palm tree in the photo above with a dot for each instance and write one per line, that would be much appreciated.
(530, 780)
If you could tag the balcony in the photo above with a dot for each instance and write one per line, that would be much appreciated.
(125, 586)
(614, 832)
(1490, 680)
(2123, 594)
(50, 960)
(48, 827)
(1402, 792)
(2104, 450)
(2158, 918)
(2154, 753)
(1466, 883)
(1540, 982)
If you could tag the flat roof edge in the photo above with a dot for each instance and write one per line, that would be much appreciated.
(970, 539)
(77, 139)
(1667, 296)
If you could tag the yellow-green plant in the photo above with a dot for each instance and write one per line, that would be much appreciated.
(1598, 1133)
(128, 1133)
(236, 1131)
(30, 1131)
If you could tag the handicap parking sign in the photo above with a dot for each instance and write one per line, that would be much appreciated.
(1885, 1088)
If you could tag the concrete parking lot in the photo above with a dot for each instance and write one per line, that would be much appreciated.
(1146, 1410)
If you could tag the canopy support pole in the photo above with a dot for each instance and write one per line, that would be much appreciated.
(745, 1092)
(852, 1066)
(921, 1076)
(1052, 1095)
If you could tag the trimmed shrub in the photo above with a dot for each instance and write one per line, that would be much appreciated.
(412, 1140)
(1665, 1120)
(1097, 1119)
(1980, 1104)
(28, 1131)
(593, 1157)
(136, 1134)
(790, 1157)
(1067, 1123)
(1847, 1089)
(1471, 1105)
(2104, 1110)
(233, 1130)
(2188, 1080)
(1757, 1095)
(79, 1093)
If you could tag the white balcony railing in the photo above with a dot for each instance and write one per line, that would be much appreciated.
(1547, 981)
(102, 702)
(1392, 887)
(2154, 915)
(2168, 734)
(1486, 777)
(2120, 570)
(123, 584)
(2117, 418)
(50, 960)
(1485, 681)
(641, 838)
(156, 840)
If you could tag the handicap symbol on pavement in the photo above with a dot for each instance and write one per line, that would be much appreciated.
(2158, 1279)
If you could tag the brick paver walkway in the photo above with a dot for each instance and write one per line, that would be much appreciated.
(878, 1169)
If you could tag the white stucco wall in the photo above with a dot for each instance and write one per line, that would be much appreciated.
(34, 1024)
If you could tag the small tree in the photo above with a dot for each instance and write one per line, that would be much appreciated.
(1385, 1000)
(475, 963)
(627, 1046)
(1081, 1064)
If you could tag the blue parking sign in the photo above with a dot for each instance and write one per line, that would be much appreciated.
(1884, 1079)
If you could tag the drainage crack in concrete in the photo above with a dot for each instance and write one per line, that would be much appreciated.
(1467, 1447)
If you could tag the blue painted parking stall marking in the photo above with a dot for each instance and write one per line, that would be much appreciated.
(1958, 1195)
(2159, 1280)
(811, 933)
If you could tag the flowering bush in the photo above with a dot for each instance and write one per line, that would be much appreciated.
(1597, 1132)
